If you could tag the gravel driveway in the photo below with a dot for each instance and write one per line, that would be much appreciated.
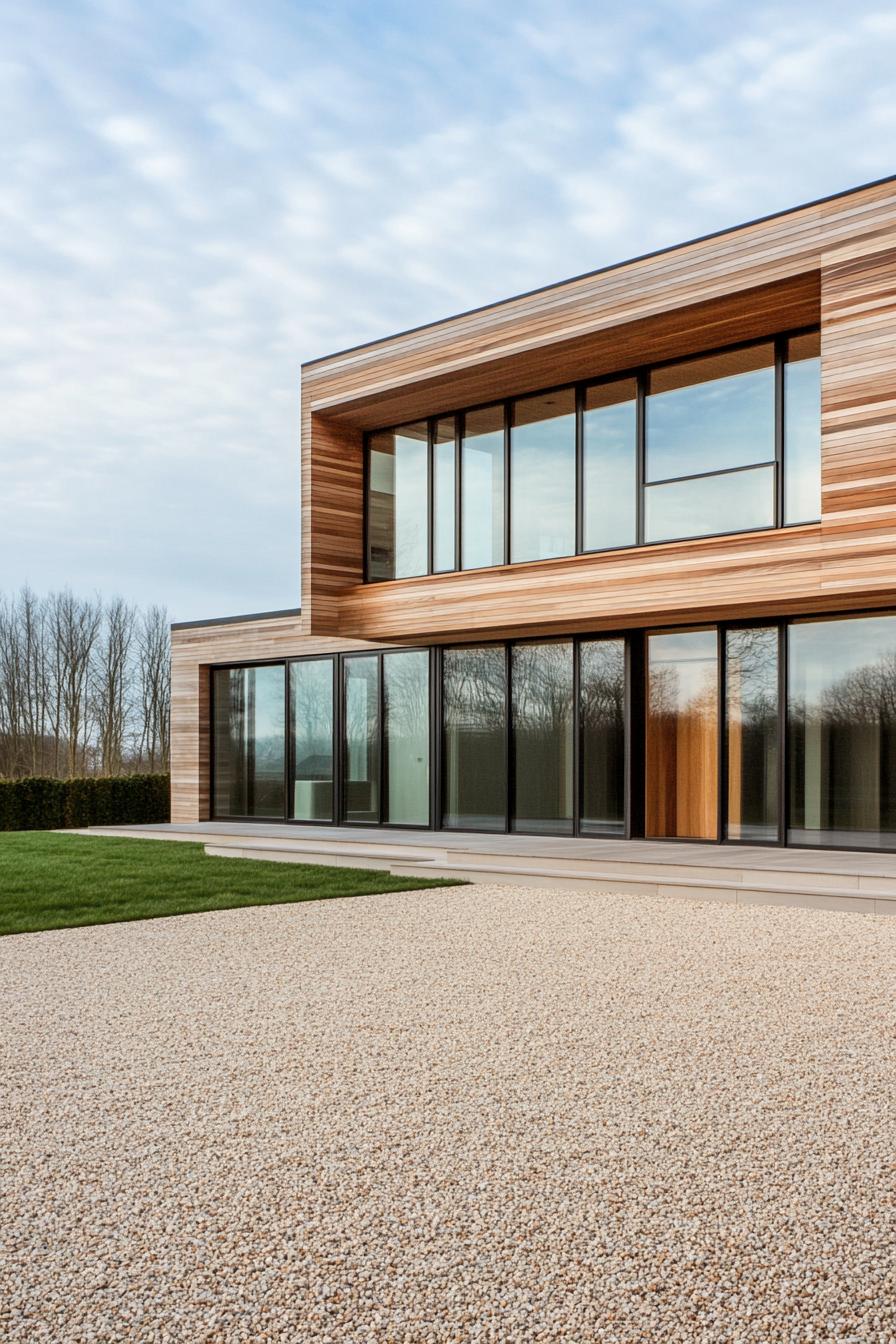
(465, 1114)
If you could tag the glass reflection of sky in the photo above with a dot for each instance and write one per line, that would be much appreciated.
(824, 652)
(728, 422)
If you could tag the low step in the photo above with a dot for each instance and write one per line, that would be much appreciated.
(711, 888)
(776, 889)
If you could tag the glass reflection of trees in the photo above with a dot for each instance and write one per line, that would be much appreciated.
(474, 692)
(752, 733)
(602, 713)
(542, 688)
(842, 731)
(311, 692)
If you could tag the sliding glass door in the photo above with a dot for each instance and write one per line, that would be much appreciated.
(543, 739)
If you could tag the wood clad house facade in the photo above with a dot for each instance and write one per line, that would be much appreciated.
(616, 557)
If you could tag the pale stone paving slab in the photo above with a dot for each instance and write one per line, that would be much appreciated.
(478, 1113)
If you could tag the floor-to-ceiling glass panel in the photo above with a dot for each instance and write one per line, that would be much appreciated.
(602, 716)
(311, 710)
(381, 506)
(841, 708)
(406, 702)
(444, 507)
(474, 744)
(411, 504)
(543, 740)
(610, 466)
(751, 733)
(802, 429)
(250, 741)
(543, 476)
(736, 501)
(362, 739)
(711, 413)
(682, 735)
(482, 488)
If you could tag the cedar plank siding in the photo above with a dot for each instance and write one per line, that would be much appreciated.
(831, 263)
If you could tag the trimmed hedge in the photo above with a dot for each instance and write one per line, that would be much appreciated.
(56, 804)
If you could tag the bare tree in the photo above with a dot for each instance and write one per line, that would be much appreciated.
(111, 699)
(154, 687)
(75, 625)
(84, 685)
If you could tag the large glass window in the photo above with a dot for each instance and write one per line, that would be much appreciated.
(361, 754)
(543, 745)
(250, 741)
(397, 503)
(712, 413)
(733, 502)
(802, 429)
(311, 710)
(610, 466)
(681, 757)
(474, 746)
(444, 509)
(709, 455)
(841, 707)
(406, 702)
(543, 476)
(703, 416)
(482, 488)
(751, 716)
(602, 710)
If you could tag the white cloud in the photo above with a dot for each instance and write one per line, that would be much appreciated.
(198, 197)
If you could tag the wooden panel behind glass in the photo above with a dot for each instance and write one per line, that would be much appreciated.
(682, 735)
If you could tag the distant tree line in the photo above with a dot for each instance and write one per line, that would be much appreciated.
(84, 686)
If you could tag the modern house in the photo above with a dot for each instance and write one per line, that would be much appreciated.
(614, 558)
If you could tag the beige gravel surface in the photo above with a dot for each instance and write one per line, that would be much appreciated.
(464, 1114)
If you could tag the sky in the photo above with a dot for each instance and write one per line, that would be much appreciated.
(196, 197)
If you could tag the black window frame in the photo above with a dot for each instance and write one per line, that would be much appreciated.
(640, 374)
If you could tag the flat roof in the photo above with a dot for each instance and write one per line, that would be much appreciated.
(599, 270)
(235, 620)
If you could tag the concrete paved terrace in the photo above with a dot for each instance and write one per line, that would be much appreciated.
(740, 874)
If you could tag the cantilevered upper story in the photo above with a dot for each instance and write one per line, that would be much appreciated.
(591, 445)
(612, 557)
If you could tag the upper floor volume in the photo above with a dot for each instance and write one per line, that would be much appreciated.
(657, 440)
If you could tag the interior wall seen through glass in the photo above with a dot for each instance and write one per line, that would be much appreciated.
(311, 712)
(250, 741)
(361, 754)
(406, 698)
(751, 726)
(841, 708)
(474, 742)
(602, 713)
(682, 735)
(543, 476)
(543, 742)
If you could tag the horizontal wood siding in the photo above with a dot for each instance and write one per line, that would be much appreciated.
(332, 517)
(833, 263)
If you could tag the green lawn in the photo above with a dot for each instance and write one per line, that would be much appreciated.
(50, 881)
